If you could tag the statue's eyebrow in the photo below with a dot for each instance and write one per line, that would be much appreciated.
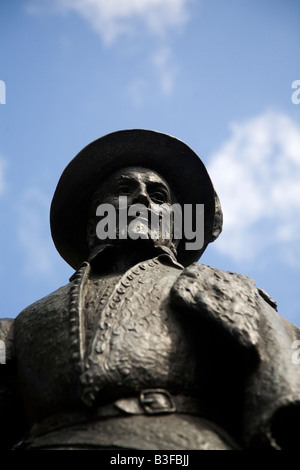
(151, 181)
(158, 184)
(121, 178)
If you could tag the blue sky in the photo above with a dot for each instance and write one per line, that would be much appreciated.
(217, 75)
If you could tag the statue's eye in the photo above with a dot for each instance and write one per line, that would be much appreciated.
(124, 189)
(159, 197)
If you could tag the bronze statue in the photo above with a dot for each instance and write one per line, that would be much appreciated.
(145, 348)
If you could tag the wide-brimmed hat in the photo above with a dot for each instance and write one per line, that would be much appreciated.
(177, 163)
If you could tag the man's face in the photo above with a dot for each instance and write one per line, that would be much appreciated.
(129, 190)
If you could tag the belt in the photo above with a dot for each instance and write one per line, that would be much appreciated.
(150, 401)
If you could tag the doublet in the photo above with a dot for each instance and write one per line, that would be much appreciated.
(196, 333)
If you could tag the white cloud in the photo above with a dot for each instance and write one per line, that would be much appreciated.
(33, 233)
(163, 73)
(165, 68)
(257, 176)
(113, 18)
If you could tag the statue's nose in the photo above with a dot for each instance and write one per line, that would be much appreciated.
(141, 195)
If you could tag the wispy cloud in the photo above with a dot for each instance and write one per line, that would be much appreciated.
(33, 233)
(114, 18)
(163, 71)
(256, 172)
(165, 67)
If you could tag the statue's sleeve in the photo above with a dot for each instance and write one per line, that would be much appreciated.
(272, 399)
(226, 300)
(249, 317)
(12, 415)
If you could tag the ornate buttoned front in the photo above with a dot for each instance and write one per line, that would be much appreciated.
(136, 336)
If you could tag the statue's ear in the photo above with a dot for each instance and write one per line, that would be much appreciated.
(91, 233)
(218, 221)
(90, 228)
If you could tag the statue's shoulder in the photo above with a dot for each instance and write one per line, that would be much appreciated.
(6, 339)
(200, 278)
(56, 300)
(6, 325)
(227, 298)
(198, 271)
(40, 322)
(214, 278)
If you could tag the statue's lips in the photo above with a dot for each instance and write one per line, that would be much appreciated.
(147, 223)
(140, 215)
(139, 219)
(143, 225)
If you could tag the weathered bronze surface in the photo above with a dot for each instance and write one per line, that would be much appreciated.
(145, 348)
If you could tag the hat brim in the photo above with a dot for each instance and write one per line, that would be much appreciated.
(177, 163)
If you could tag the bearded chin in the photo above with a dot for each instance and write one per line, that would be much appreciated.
(137, 235)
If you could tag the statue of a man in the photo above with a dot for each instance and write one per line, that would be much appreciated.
(145, 348)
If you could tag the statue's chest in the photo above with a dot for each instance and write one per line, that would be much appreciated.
(128, 309)
(132, 336)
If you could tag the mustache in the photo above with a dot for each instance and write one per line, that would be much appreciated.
(146, 215)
